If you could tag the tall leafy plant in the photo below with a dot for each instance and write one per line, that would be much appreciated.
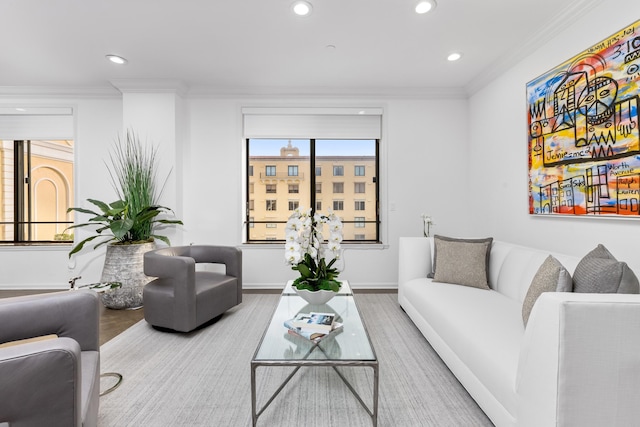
(134, 217)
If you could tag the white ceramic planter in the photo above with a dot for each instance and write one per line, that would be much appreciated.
(315, 297)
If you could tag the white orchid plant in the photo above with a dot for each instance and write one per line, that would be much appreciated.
(428, 222)
(305, 252)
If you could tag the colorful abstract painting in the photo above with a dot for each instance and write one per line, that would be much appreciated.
(584, 138)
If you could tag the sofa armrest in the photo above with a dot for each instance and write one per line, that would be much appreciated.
(580, 361)
(72, 314)
(414, 258)
(40, 383)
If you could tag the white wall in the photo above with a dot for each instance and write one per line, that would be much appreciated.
(423, 154)
(417, 135)
(98, 122)
(498, 134)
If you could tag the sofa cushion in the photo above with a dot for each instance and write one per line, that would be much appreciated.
(482, 328)
(550, 277)
(462, 261)
(600, 272)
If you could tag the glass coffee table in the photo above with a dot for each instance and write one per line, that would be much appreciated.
(349, 346)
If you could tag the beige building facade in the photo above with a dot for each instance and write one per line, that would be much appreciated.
(47, 193)
(277, 185)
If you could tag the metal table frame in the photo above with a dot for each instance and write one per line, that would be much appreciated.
(306, 362)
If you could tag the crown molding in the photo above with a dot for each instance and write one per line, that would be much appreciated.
(545, 34)
(59, 92)
(151, 86)
(329, 92)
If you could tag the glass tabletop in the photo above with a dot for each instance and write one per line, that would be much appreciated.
(349, 343)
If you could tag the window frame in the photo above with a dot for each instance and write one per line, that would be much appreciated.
(375, 179)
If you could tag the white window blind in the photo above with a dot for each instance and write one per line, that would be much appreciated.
(320, 123)
(36, 123)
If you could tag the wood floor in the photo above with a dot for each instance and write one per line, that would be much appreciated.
(112, 322)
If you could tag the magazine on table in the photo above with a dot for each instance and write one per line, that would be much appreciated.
(322, 322)
(311, 334)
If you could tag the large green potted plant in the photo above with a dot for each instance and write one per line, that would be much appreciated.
(129, 225)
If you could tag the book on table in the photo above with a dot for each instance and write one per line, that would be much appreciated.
(314, 321)
(312, 333)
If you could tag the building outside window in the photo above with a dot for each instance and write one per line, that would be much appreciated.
(310, 156)
(358, 170)
(36, 189)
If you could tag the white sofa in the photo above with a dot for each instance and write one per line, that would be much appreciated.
(577, 362)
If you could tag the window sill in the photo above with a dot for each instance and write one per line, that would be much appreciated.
(280, 246)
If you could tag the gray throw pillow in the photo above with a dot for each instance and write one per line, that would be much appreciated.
(462, 261)
(550, 277)
(600, 272)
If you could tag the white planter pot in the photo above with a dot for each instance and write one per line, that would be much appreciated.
(125, 264)
(315, 297)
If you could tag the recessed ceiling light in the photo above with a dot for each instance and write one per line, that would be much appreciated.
(454, 56)
(117, 59)
(425, 6)
(302, 8)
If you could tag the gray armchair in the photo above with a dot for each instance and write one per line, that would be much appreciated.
(182, 298)
(50, 382)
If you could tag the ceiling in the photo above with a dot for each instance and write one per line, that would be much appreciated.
(259, 46)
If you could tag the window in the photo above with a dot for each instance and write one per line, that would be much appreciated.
(251, 224)
(359, 237)
(358, 170)
(36, 189)
(271, 225)
(307, 158)
(251, 170)
(251, 205)
(251, 186)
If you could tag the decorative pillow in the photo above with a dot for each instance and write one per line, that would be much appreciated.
(550, 277)
(462, 261)
(600, 272)
(28, 340)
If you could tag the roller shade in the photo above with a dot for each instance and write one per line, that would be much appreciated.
(330, 123)
(36, 123)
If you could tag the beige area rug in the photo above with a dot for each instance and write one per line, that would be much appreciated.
(204, 379)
